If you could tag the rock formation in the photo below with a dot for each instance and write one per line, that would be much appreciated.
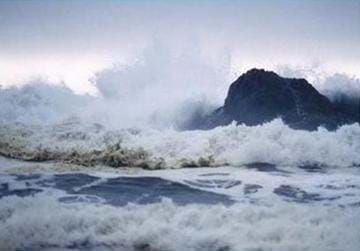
(259, 96)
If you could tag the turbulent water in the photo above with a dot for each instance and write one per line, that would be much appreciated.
(257, 208)
(92, 144)
(266, 187)
(114, 172)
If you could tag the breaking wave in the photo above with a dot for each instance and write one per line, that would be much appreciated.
(159, 94)
(26, 223)
(161, 89)
(236, 145)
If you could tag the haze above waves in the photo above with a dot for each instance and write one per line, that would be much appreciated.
(163, 88)
(143, 107)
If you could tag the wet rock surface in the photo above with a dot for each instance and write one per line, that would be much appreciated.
(259, 96)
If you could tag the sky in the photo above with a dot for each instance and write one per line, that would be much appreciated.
(69, 42)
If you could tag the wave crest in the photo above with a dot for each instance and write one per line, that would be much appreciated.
(234, 145)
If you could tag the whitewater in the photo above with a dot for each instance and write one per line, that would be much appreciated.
(52, 206)
(120, 170)
(235, 145)
(81, 186)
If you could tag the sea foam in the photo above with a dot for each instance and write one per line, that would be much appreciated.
(235, 145)
(26, 223)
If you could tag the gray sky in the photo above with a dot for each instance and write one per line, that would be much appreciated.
(71, 40)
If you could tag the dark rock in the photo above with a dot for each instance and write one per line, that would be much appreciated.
(347, 106)
(259, 96)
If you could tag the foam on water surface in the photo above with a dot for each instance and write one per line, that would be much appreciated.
(225, 208)
(29, 225)
(235, 145)
(264, 188)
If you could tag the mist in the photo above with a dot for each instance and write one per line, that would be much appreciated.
(139, 63)
(162, 88)
(63, 41)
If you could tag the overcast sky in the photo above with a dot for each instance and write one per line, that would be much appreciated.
(71, 40)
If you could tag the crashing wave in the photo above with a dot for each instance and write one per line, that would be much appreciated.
(236, 145)
(26, 223)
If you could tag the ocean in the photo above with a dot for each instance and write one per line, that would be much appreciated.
(80, 186)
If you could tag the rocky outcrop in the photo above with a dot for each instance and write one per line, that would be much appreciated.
(259, 96)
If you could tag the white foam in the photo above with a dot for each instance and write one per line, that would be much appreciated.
(237, 145)
(27, 223)
(234, 145)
